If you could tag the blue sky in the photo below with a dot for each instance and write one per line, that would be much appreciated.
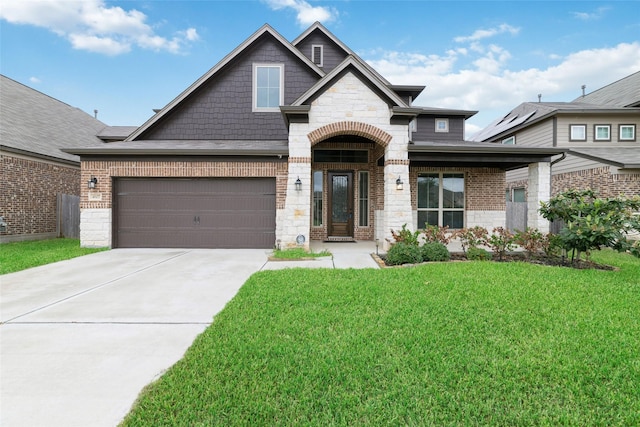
(125, 58)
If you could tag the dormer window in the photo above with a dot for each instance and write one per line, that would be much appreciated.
(268, 87)
(442, 125)
(317, 54)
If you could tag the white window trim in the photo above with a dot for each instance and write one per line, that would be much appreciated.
(313, 48)
(509, 141)
(595, 132)
(254, 101)
(576, 126)
(446, 125)
(620, 138)
(440, 209)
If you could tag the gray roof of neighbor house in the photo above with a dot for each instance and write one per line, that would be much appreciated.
(116, 133)
(622, 93)
(528, 113)
(622, 157)
(36, 124)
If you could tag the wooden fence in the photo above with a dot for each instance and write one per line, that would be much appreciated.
(68, 216)
(516, 216)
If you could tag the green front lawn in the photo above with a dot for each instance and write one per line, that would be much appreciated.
(22, 255)
(469, 343)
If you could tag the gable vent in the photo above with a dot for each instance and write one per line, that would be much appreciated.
(317, 54)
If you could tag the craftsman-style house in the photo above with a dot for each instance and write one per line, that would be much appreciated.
(282, 142)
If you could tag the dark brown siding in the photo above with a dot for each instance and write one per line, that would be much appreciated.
(333, 54)
(427, 125)
(195, 213)
(222, 107)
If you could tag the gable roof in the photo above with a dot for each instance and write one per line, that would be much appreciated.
(355, 63)
(36, 124)
(266, 29)
(622, 93)
(318, 26)
(622, 157)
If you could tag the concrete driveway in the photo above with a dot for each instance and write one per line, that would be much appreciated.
(79, 339)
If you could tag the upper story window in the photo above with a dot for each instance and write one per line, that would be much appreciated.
(602, 132)
(268, 87)
(627, 133)
(442, 125)
(509, 141)
(577, 132)
(317, 54)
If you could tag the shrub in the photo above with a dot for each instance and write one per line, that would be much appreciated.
(531, 240)
(478, 254)
(471, 237)
(501, 241)
(435, 251)
(592, 222)
(434, 233)
(406, 236)
(404, 253)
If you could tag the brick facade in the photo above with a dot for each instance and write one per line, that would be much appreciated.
(28, 199)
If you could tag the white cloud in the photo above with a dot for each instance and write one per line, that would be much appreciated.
(488, 85)
(591, 16)
(306, 14)
(93, 26)
(35, 80)
(483, 34)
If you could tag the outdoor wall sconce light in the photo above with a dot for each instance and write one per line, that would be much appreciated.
(298, 184)
(92, 183)
(399, 184)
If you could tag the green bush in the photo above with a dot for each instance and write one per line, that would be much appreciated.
(435, 251)
(404, 253)
(477, 254)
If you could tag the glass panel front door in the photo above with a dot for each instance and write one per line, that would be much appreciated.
(341, 204)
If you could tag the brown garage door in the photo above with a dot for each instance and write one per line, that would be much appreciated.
(195, 213)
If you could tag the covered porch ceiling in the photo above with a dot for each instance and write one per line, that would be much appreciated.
(474, 154)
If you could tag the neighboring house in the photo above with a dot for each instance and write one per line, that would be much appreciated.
(599, 129)
(282, 142)
(33, 129)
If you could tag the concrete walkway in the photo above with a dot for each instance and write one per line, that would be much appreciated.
(79, 339)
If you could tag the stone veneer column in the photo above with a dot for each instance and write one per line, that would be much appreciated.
(95, 228)
(295, 218)
(397, 203)
(539, 190)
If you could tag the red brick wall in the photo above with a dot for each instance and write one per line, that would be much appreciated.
(600, 180)
(106, 170)
(28, 196)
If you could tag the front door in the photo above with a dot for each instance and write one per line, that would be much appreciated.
(340, 204)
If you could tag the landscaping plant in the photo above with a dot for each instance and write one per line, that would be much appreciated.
(435, 233)
(531, 240)
(592, 222)
(435, 251)
(404, 253)
(471, 237)
(501, 241)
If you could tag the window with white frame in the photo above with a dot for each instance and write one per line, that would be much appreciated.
(317, 54)
(627, 132)
(363, 199)
(602, 132)
(441, 199)
(509, 141)
(317, 198)
(268, 87)
(578, 132)
(442, 125)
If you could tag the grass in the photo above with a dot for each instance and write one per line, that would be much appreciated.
(473, 343)
(18, 256)
(298, 254)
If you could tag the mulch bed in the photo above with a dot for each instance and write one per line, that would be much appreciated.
(514, 257)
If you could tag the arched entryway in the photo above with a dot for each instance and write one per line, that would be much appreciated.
(346, 176)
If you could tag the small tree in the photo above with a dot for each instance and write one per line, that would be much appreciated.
(592, 222)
